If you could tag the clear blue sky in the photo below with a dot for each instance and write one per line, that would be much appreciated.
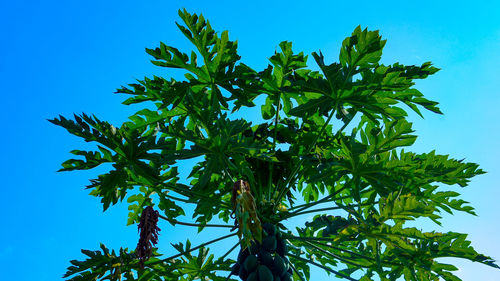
(64, 57)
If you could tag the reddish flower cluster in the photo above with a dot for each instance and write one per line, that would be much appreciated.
(148, 230)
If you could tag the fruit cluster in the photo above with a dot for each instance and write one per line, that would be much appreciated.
(266, 261)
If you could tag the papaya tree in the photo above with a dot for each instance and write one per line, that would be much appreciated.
(328, 143)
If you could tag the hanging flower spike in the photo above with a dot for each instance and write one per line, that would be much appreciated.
(148, 237)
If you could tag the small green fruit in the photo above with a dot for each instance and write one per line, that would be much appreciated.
(279, 266)
(265, 258)
(269, 228)
(252, 277)
(254, 247)
(281, 247)
(265, 273)
(269, 244)
(250, 263)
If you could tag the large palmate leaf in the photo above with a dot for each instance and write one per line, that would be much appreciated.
(108, 265)
(102, 265)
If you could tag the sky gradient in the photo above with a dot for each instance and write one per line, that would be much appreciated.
(65, 57)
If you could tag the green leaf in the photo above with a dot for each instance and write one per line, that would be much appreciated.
(320, 105)
(268, 109)
(362, 49)
(92, 160)
(102, 265)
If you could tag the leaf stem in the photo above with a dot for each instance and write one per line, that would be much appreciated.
(343, 250)
(194, 224)
(228, 172)
(323, 200)
(323, 267)
(229, 276)
(291, 237)
(192, 249)
(310, 204)
(291, 177)
(230, 250)
(181, 190)
(354, 253)
(177, 198)
(342, 259)
(271, 166)
(296, 271)
(293, 214)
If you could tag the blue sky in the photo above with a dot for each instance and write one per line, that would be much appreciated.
(65, 57)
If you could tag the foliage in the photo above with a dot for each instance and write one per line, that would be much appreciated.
(300, 156)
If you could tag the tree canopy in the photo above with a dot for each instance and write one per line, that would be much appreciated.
(331, 143)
